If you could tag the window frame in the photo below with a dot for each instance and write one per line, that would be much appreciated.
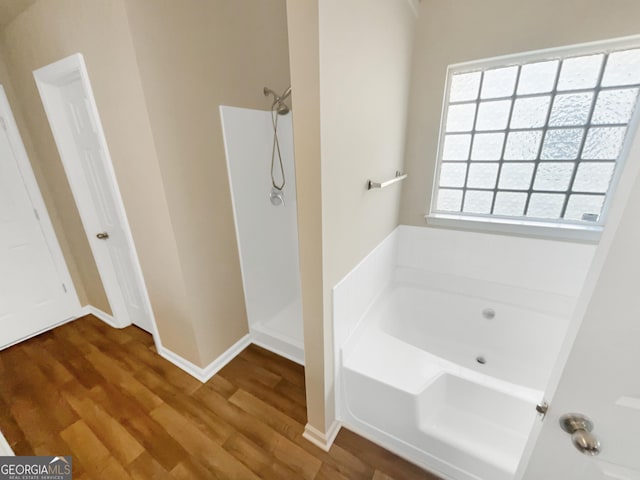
(535, 227)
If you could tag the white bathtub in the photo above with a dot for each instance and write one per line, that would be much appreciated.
(447, 372)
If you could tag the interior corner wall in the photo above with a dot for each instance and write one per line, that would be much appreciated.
(69, 254)
(46, 32)
(455, 31)
(350, 65)
(193, 56)
(302, 18)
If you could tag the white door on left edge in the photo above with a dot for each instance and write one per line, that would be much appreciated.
(34, 293)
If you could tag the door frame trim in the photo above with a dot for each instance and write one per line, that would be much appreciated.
(48, 80)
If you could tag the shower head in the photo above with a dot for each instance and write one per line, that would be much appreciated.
(267, 91)
(278, 104)
(281, 108)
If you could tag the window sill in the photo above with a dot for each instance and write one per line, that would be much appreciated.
(523, 228)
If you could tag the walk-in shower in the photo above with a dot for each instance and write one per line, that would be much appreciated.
(259, 147)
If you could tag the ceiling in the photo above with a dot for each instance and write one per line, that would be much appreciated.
(10, 9)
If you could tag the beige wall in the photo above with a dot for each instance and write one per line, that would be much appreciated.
(77, 274)
(452, 31)
(365, 60)
(216, 52)
(304, 52)
(49, 31)
(10, 9)
(350, 66)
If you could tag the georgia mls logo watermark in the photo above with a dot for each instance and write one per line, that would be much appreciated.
(35, 468)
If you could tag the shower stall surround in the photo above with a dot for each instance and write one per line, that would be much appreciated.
(267, 233)
(445, 341)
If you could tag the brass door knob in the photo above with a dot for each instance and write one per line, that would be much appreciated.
(580, 427)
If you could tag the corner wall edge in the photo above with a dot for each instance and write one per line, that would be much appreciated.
(320, 439)
(204, 374)
(100, 315)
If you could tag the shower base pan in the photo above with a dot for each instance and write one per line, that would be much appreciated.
(283, 333)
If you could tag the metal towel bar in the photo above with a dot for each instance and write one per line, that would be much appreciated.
(399, 176)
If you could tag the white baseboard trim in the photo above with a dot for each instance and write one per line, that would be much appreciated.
(322, 440)
(276, 342)
(294, 357)
(99, 314)
(5, 448)
(205, 373)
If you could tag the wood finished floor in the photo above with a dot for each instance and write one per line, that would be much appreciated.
(105, 397)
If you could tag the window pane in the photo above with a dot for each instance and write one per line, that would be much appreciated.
(523, 145)
(562, 144)
(460, 117)
(553, 176)
(499, 82)
(510, 203)
(516, 176)
(464, 87)
(530, 112)
(537, 77)
(580, 205)
(452, 174)
(623, 68)
(456, 147)
(476, 201)
(487, 146)
(604, 143)
(537, 140)
(545, 205)
(615, 106)
(580, 72)
(570, 109)
(493, 115)
(449, 200)
(593, 177)
(482, 175)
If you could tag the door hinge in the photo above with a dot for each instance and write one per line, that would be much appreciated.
(36, 213)
(542, 408)
(64, 287)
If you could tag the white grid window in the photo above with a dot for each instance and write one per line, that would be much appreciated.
(535, 137)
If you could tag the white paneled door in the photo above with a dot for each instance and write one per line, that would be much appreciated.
(71, 109)
(109, 234)
(36, 291)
